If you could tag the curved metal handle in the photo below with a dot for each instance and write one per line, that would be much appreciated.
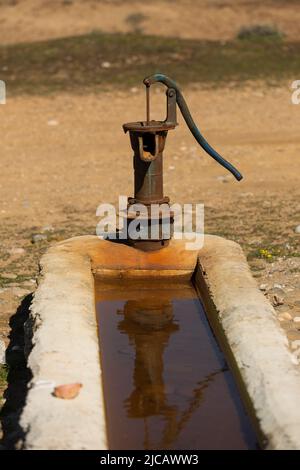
(158, 77)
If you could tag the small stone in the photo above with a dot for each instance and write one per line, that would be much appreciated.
(67, 391)
(105, 65)
(285, 316)
(52, 122)
(171, 167)
(263, 287)
(38, 237)
(266, 204)
(134, 89)
(2, 352)
(297, 319)
(277, 286)
(297, 229)
(16, 251)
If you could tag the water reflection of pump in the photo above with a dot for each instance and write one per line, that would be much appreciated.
(149, 324)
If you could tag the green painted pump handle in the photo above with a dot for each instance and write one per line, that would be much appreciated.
(158, 77)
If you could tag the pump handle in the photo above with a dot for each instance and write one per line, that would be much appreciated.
(169, 83)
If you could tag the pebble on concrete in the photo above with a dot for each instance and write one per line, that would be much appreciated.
(67, 391)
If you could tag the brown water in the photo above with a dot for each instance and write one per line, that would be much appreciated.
(166, 381)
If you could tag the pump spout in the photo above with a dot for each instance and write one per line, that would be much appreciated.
(170, 84)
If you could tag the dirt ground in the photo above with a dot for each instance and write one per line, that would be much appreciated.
(63, 154)
(32, 20)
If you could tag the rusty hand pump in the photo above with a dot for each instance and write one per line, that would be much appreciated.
(148, 141)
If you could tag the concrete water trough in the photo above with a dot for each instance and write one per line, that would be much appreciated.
(63, 341)
(150, 344)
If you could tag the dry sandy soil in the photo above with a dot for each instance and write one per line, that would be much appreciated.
(31, 20)
(63, 154)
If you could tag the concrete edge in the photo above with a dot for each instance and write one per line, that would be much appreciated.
(258, 344)
(70, 353)
(65, 350)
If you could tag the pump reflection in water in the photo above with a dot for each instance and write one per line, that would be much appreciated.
(149, 325)
(166, 382)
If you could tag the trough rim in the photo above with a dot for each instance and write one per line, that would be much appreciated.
(258, 345)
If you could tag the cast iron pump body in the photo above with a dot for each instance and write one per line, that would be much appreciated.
(148, 141)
